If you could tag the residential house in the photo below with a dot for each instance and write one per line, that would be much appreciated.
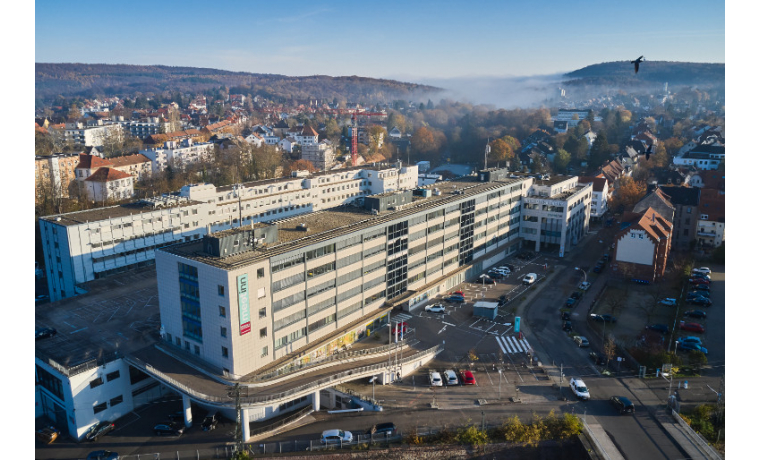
(642, 246)
(394, 133)
(702, 157)
(222, 127)
(307, 136)
(255, 139)
(92, 133)
(321, 155)
(108, 184)
(177, 154)
(88, 164)
(136, 165)
(54, 174)
(686, 202)
(600, 195)
(657, 200)
(287, 144)
(711, 227)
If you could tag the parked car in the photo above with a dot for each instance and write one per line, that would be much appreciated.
(661, 328)
(467, 377)
(688, 346)
(705, 270)
(598, 358)
(510, 267)
(435, 379)
(668, 301)
(693, 327)
(168, 429)
(597, 269)
(44, 333)
(604, 318)
(98, 430)
(701, 275)
(579, 389)
(581, 341)
(401, 327)
(565, 315)
(435, 308)
(697, 294)
(454, 298)
(567, 326)
(210, 421)
(701, 301)
(529, 279)
(336, 437)
(623, 404)
(48, 434)
(451, 377)
(584, 286)
(505, 269)
(503, 299)
(699, 281)
(701, 287)
(459, 293)
(690, 338)
(103, 455)
(388, 429)
(496, 275)
(576, 295)
(570, 302)
(695, 314)
(486, 280)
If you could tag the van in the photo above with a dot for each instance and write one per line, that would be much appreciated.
(451, 377)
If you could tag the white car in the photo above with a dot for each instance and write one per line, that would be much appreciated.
(581, 341)
(579, 389)
(435, 379)
(584, 286)
(530, 278)
(451, 377)
(703, 270)
(668, 301)
(336, 437)
(435, 308)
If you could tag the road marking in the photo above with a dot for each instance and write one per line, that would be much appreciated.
(402, 317)
(444, 328)
(449, 324)
(72, 332)
(527, 344)
(500, 345)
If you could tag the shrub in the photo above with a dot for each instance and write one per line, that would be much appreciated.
(472, 436)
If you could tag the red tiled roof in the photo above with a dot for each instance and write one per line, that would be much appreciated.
(127, 160)
(107, 175)
(651, 222)
(308, 131)
(91, 162)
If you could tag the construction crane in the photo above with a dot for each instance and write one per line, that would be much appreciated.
(354, 140)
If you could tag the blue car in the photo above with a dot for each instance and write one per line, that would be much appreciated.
(103, 455)
(691, 346)
(454, 298)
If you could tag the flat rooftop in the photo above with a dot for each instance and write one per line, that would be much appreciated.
(119, 315)
(122, 210)
(324, 225)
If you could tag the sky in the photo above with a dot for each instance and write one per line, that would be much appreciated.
(403, 40)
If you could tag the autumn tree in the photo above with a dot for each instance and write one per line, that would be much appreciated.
(610, 348)
(627, 193)
(376, 135)
(500, 150)
(561, 160)
(427, 141)
(299, 165)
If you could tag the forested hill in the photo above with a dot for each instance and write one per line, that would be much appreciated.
(621, 73)
(90, 80)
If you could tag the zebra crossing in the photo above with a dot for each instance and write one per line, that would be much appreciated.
(401, 317)
(510, 344)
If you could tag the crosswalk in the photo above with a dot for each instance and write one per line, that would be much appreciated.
(510, 344)
(401, 317)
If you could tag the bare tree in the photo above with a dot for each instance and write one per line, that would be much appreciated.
(609, 348)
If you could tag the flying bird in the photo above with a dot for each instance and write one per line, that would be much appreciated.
(636, 64)
(649, 149)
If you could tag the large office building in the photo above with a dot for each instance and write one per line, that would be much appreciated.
(82, 246)
(264, 305)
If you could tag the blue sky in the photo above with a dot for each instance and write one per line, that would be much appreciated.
(408, 40)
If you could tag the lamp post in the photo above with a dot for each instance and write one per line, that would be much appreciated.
(582, 271)
(670, 341)
(500, 384)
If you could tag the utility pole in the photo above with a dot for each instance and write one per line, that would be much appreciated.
(238, 425)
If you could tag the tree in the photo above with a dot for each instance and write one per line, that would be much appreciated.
(627, 193)
(599, 151)
(561, 160)
(609, 348)
(697, 359)
(377, 135)
(500, 150)
(299, 165)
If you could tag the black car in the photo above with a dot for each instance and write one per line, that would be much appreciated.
(567, 326)
(598, 269)
(486, 280)
(598, 359)
(387, 429)
(495, 275)
(176, 417)
(210, 421)
(565, 315)
(168, 429)
(510, 267)
(98, 430)
(623, 404)
(693, 294)
(576, 295)
(44, 333)
(695, 314)
(661, 328)
(700, 301)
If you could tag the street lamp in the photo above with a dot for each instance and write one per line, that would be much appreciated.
(582, 271)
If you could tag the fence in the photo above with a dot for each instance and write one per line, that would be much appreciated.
(696, 437)
(291, 418)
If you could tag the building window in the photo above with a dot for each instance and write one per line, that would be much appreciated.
(265, 351)
(197, 349)
(225, 352)
(220, 289)
(187, 345)
(100, 407)
(224, 332)
(262, 332)
(260, 273)
(262, 312)
(112, 376)
(117, 400)
(686, 232)
(96, 383)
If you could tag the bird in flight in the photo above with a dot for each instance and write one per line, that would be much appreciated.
(636, 64)
(649, 149)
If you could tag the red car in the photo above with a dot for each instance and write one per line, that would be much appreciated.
(467, 378)
(694, 327)
(457, 293)
(402, 328)
(699, 281)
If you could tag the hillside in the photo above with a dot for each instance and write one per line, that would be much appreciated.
(620, 73)
(90, 80)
